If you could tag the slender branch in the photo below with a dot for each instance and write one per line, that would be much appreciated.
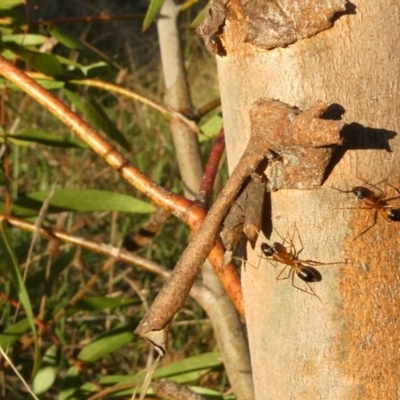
(211, 169)
(166, 112)
(100, 248)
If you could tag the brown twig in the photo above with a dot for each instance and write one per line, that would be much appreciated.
(206, 108)
(211, 169)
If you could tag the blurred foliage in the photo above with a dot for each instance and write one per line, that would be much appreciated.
(67, 343)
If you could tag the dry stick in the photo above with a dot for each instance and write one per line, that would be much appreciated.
(100, 248)
(20, 377)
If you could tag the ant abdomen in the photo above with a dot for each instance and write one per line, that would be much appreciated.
(308, 274)
(394, 215)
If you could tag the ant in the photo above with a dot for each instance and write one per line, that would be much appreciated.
(376, 202)
(304, 269)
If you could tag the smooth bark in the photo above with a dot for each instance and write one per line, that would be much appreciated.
(344, 346)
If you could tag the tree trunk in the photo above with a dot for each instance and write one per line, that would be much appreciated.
(345, 345)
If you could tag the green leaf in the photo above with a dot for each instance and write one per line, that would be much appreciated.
(28, 136)
(183, 371)
(7, 251)
(20, 211)
(200, 17)
(24, 40)
(95, 69)
(102, 303)
(10, 19)
(46, 376)
(211, 128)
(85, 200)
(13, 333)
(152, 11)
(97, 117)
(106, 344)
(48, 64)
(72, 42)
(7, 4)
(57, 267)
(71, 384)
(46, 83)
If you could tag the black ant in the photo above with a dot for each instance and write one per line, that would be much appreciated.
(376, 202)
(304, 269)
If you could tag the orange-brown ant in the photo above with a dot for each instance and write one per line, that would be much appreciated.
(304, 269)
(376, 202)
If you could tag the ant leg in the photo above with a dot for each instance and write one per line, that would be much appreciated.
(392, 198)
(300, 241)
(284, 239)
(311, 291)
(375, 186)
(352, 208)
(259, 261)
(366, 230)
(267, 259)
(394, 187)
(312, 263)
(278, 278)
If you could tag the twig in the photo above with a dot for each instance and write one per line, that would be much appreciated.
(211, 169)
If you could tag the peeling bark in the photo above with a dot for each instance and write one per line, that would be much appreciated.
(267, 24)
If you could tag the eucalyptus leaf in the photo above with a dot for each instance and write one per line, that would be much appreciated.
(72, 42)
(152, 11)
(7, 4)
(29, 136)
(97, 117)
(85, 200)
(107, 344)
(29, 39)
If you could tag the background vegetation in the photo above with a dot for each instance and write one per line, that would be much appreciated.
(69, 339)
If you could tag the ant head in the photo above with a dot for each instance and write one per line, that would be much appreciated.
(267, 250)
(393, 215)
(361, 192)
